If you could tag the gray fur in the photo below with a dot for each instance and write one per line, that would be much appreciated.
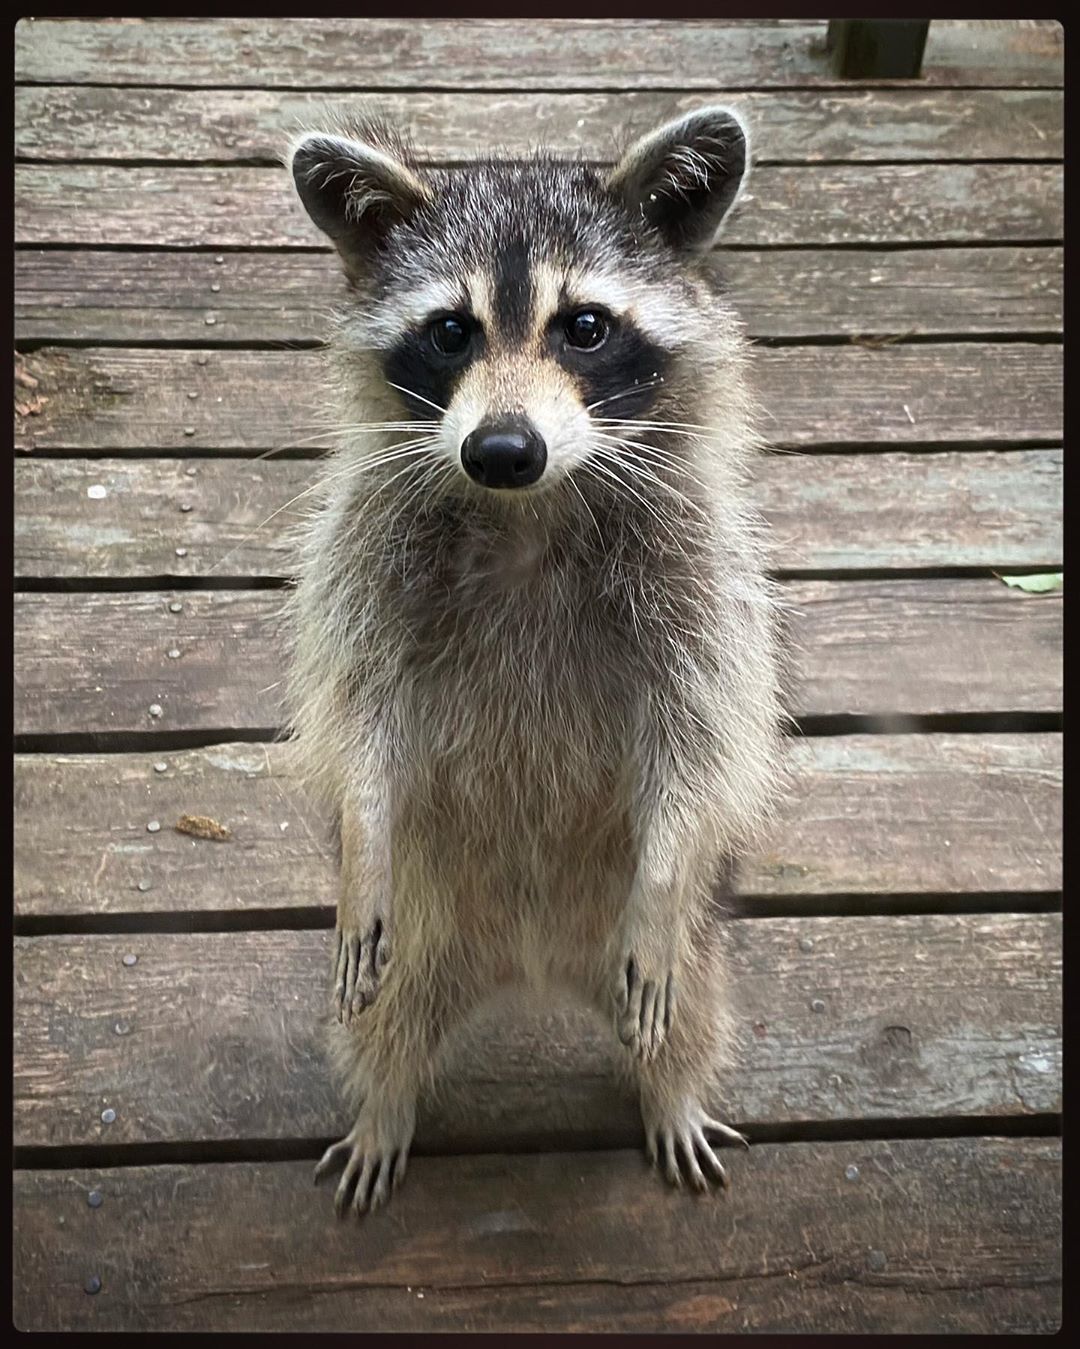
(548, 719)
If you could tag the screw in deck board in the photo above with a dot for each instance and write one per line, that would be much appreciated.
(877, 49)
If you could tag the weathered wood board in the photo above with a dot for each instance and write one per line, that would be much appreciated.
(84, 295)
(100, 123)
(982, 394)
(219, 1036)
(98, 661)
(823, 204)
(896, 955)
(869, 815)
(122, 518)
(548, 54)
(918, 1235)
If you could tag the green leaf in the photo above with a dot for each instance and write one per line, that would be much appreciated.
(1035, 585)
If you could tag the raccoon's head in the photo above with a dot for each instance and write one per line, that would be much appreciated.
(527, 312)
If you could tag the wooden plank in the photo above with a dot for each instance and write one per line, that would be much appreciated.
(980, 394)
(91, 122)
(119, 518)
(499, 53)
(96, 663)
(870, 815)
(103, 296)
(929, 1235)
(219, 1035)
(825, 204)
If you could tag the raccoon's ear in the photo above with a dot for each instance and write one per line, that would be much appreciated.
(355, 191)
(683, 178)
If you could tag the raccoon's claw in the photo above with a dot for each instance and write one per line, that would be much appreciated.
(644, 1009)
(680, 1147)
(374, 1167)
(358, 965)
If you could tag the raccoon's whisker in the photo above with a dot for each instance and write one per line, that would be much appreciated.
(401, 473)
(636, 387)
(654, 471)
(410, 451)
(659, 451)
(350, 428)
(584, 502)
(633, 464)
(653, 454)
(412, 394)
(639, 425)
(601, 460)
(624, 480)
(414, 447)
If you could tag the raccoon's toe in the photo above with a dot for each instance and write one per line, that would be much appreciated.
(682, 1149)
(644, 1009)
(375, 1161)
(358, 967)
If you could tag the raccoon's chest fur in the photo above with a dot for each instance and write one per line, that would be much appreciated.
(518, 695)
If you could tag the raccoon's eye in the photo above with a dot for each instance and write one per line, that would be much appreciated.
(450, 335)
(586, 329)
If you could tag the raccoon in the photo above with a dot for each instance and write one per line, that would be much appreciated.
(535, 664)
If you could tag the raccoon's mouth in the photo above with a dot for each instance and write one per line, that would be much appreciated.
(504, 456)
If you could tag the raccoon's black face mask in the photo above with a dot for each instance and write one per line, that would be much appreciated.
(531, 311)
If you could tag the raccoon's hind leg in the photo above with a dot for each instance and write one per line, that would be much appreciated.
(678, 1083)
(386, 1059)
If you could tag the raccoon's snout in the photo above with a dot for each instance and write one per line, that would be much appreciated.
(507, 454)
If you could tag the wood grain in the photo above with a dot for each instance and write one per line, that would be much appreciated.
(121, 518)
(872, 815)
(97, 662)
(973, 393)
(214, 1036)
(460, 54)
(94, 122)
(930, 1235)
(172, 206)
(87, 295)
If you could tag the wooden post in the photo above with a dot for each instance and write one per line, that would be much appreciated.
(877, 49)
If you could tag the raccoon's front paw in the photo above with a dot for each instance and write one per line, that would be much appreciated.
(359, 962)
(644, 1003)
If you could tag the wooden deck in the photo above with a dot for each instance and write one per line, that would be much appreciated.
(898, 258)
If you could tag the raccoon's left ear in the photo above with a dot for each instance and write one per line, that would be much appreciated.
(684, 178)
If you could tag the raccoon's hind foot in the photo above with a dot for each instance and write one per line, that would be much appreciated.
(376, 1152)
(359, 961)
(677, 1142)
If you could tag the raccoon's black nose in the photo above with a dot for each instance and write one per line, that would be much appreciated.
(509, 454)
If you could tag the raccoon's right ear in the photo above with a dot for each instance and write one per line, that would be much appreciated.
(683, 178)
(354, 191)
